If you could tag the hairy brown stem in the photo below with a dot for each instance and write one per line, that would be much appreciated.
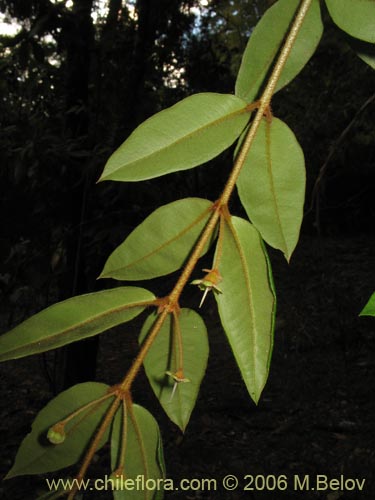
(135, 367)
(94, 445)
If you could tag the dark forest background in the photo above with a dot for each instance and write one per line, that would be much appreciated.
(80, 75)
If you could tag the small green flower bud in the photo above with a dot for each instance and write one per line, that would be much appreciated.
(56, 434)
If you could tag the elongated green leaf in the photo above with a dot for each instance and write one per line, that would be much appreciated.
(36, 455)
(266, 41)
(73, 319)
(369, 309)
(247, 303)
(189, 133)
(163, 357)
(272, 185)
(143, 455)
(356, 17)
(161, 244)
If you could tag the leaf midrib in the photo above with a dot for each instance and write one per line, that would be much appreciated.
(47, 340)
(272, 184)
(267, 64)
(249, 294)
(159, 248)
(139, 439)
(197, 131)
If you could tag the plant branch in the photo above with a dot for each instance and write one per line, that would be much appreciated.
(170, 304)
(84, 407)
(178, 339)
(135, 367)
(196, 254)
(95, 444)
(264, 103)
(265, 100)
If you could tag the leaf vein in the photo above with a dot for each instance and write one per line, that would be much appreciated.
(161, 247)
(272, 183)
(246, 276)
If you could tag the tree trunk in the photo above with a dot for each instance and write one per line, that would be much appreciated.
(77, 362)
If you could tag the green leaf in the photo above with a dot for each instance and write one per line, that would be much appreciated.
(36, 455)
(143, 455)
(271, 185)
(57, 493)
(183, 136)
(163, 357)
(369, 309)
(364, 50)
(266, 41)
(247, 303)
(355, 17)
(162, 243)
(367, 56)
(73, 319)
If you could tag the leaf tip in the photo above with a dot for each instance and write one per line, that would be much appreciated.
(104, 177)
(255, 398)
(10, 474)
(182, 426)
(101, 179)
(288, 254)
(102, 275)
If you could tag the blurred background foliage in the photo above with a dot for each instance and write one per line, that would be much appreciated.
(77, 76)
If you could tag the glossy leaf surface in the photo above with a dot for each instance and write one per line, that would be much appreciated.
(36, 455)
(247, 303)
(191, 132)
(369, 309)
(266, 41)
(163, 357)
(161, 244)
(73, 319)
(271, 185)
(355, 17)
(143, 453)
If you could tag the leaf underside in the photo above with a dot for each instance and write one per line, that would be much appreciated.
(266, 41)
(190, 133)
(163, 356)
(143, 452)
(37, 456)
(355, 17)
(73, 319)
(271, 185)
(162, 243)
(247, 303)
